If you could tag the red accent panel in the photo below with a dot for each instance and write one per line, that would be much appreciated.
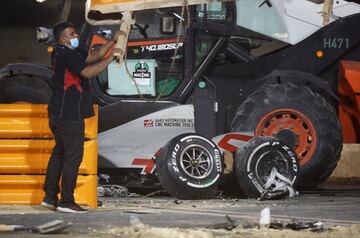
(72, 79)
(224, 142)
(349, 106)
(148, 163)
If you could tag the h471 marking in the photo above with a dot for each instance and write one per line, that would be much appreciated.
(336, 43)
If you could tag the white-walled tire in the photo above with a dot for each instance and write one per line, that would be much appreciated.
(254, 161)
(189, 167)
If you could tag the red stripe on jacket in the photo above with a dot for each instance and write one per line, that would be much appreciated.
(72, 79)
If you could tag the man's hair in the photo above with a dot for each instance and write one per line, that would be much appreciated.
(59, 29)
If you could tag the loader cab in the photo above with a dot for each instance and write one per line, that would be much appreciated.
(164, 51)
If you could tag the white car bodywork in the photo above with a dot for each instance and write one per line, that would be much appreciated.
(134, 144)
(290, 21)
(143, 137)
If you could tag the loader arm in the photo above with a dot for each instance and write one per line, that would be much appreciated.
(106, 9)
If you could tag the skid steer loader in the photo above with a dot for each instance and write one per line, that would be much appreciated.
(272, 83)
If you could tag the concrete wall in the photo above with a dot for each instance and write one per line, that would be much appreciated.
(348, 168)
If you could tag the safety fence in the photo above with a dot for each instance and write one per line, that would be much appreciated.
(26, 144)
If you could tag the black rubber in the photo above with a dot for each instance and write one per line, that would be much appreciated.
(173, 177)
(315, 108)
(250, 163)
(25, 89)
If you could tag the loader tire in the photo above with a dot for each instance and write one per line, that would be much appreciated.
(190, 167)
(23, 89)
(301, 118)
(255, 160)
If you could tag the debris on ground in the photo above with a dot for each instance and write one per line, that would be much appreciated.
(296, 225)
(142, 211)
(229, 225)
(265, 217)
(177, 201)
(157, 193)
(115, 191)
(135, 221)
(53, 227)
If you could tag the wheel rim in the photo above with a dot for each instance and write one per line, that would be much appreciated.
(287, 120)
(196, 161)
(269, 160)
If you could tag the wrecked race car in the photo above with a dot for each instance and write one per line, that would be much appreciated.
(195, 77)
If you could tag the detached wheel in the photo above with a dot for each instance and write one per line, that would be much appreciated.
(255, 160)
(302, 119)
(189, 167)
(23, 89)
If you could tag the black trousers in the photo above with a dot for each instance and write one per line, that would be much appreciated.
(65, 159)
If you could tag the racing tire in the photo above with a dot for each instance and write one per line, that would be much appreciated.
(24, 89)
(255, 160)
(189, 167)
(301, 118)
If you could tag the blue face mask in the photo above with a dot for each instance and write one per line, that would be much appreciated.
(74, 43)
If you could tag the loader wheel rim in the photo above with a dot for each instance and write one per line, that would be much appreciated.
(286, 119)
(196, 161)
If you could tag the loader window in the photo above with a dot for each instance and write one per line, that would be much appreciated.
(212, 12)
(216, 14)
(261, 18)
(149, 68)
(203, 44)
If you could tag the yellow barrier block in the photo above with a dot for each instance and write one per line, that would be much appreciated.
(31, 121)
(32, 156)
(27, 190)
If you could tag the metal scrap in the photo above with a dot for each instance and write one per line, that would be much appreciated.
(296, 225)
(115, 191)
(277, 186)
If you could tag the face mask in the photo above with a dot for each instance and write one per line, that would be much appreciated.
(74, 43)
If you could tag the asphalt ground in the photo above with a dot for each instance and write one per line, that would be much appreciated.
(334, 206)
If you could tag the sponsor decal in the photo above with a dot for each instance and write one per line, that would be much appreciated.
(292, 156)
(161, 47)
(217, 160)
(169, 122)
(173, 158)
(148, 123)
(149, 165)
(256, 183)
(142, 75)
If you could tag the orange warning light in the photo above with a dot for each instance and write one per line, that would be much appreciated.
(319, 53)
(50, 49)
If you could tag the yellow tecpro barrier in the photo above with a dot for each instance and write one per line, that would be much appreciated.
(27, 189)
(31, 121)
(26, 143)
(32, 156)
